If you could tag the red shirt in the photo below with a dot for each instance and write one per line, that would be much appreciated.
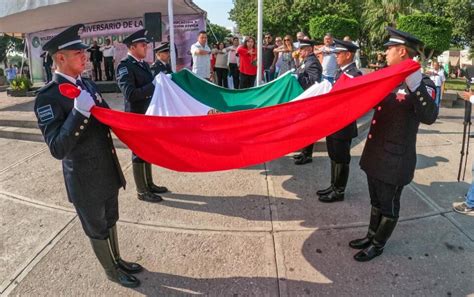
(246, 59)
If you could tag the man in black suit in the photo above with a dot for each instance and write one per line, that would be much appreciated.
(96, 59)
(309, 72)
(339, 143)
(135, 80)
(162, 63)
(47, 64)
(389, 156)
(91, 168)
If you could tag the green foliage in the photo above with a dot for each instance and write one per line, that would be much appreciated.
(434, 31)
(461, 15)
(337, 26)
(7, 45)
(281, 17)
(219, 32)
(20, 83)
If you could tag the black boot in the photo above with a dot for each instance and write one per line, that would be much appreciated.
(140, 181)
(114, 273)
(385, 229)
(362, 243)
(330, 188)
(341, 174)
(149, 181)
(128, 267)
(307, 156)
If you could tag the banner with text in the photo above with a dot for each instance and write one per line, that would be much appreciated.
(186, 28)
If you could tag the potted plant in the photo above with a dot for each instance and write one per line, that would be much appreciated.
(19, 86)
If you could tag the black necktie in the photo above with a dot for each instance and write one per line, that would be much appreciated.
(80, 84)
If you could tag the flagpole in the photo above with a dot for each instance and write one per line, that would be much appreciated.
(259, 41)
(171, 25)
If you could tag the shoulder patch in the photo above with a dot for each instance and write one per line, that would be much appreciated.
(45, 113)
(122, 71)
(432, 92)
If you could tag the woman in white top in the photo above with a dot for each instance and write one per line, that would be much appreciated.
(220, 67)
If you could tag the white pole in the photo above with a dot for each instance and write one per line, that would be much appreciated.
(259, 41)
(171, 24)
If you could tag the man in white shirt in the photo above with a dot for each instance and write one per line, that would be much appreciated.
(329, 58)
(437, 76)
(108, 51)
(201, 56)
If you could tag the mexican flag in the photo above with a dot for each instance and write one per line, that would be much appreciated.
(185, 94)
(236, 139)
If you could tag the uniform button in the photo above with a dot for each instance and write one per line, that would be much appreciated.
(81, 127)
(418, 93)
(86, 121)
(76, 134)
(113, 151)
(373, 122)
(421, 98)
(424, 103)
(379, 108)
(370, 136)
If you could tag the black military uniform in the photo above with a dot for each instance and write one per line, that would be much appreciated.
(309, 72)
(135, 80)
(339, 143)
(389, 156)
(161, 66)
(91, 169)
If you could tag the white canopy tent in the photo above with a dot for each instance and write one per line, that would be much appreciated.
(27, 16)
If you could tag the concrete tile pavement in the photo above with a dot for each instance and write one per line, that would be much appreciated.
(257, 231)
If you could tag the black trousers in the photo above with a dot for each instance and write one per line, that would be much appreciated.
(109, 67)
(49, 75)
(339, 150)
(246, 81)
(97, 219)
(235, 73)
(385, 197)
(222, 76)
(97, 70)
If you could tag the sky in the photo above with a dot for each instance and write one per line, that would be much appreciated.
(217, 11)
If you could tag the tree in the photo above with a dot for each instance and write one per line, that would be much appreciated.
(337, 26)
(378, 14)
(8, 45)
(461, 15)
(434, 31)
(281, 17)
(215, 31)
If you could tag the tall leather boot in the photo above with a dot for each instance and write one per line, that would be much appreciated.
(306, 155)
(362, 243)
(103, 253)
(385, 229)
(341, 174)
(128, 267)
(333, 177)
(149, 181)
(140, 181)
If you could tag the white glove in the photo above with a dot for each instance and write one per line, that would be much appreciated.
(83, 103)
(413, 81)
